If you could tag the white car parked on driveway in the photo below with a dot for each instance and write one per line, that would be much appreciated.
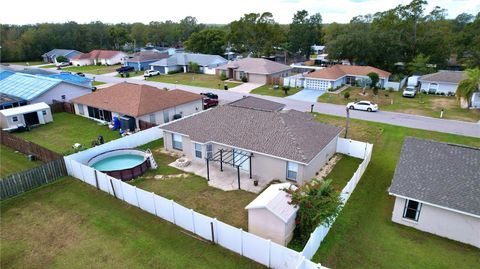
(149, 73)
(363, 105)
(410, 91)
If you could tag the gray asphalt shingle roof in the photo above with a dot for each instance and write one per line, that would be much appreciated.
(256, 66)
(445, 76)
(258, 103)
(438, 173)
(291, 134)
(185, 58)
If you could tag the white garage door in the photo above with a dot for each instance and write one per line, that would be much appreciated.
(317, 84)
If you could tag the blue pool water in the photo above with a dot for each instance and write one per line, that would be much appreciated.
(118, 162)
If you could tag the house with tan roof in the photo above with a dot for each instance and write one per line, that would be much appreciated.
(256, 70)
(338, 75)
(104, 57)
(140, 102)
(255, 137)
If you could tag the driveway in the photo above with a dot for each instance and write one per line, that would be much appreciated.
(245, 87)
(306, 95)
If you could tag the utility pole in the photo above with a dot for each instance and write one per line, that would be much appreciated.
(348, 121)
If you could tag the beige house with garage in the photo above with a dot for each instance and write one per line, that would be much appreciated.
(436, 186)
(257, 137)
(271, 215)
(256, 70)
(139, 102)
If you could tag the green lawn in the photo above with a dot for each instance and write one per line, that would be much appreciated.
(199, 80)
(69, 224)
(363, 236)
(12, 162)
(96, 83)
(268, 90)
(193, 191)
(66, 130)
(93, 69)
(343, 171)
(48, 66)
(422, 104)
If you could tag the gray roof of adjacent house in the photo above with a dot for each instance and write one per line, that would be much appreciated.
(145, 56)
(291, 134)
(60, 52)
(258, 103)
(445, 76)
(438, 173)
(185, 58)
(256, 66)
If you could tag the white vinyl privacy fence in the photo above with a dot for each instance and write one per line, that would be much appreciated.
(294, 81)
(355, 149)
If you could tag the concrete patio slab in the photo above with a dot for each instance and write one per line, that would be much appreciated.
(226, 180)
(307, 95)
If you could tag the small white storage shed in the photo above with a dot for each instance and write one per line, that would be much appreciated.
(34, 114)
(271, 216)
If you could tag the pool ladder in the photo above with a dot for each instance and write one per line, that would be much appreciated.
(153, 163)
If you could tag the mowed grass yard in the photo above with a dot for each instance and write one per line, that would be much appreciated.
(193, 191)
(69, 224)
(66, 130)
(423, 104)
(363, 236)
(93, 69)
(13, 162)
(268, 90)
(198, 80)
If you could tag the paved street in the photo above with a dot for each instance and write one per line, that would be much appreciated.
(400, 119)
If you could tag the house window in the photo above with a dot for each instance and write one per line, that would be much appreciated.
(80, 109)
(198, 151)
(177, 142)
(152, 118)
(292, 170)
(412, 210)
(209, 151)
(14, 118)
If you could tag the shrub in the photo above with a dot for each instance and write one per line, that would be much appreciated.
(99, 63)
(346, 95)
(171, 72)
(244, 79)
(223, 76)
(62, 59)
(286, 89)
(390, 89)
(330, 89)
(127, 75)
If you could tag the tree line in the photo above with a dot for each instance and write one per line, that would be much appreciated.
(406, 36)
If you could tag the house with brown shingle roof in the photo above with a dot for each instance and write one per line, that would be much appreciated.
(104, 57)
(141, 102)
(257, 70)
(255, 136)
(337, 75)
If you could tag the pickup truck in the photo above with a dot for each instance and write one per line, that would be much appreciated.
(125, 69)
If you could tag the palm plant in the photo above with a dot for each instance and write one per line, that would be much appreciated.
(468, 86)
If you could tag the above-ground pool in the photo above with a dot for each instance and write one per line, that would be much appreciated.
(123, 164)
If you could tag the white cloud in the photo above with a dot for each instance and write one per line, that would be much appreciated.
(206, 11)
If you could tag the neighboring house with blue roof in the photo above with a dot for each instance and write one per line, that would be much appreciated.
(74, 79)
(35, 89)
(5, 74)
(179, 62)
(142, 60)
(51, 56)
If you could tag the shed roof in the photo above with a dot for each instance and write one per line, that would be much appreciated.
(291, 134)
(136, 99)
(24, 109)
(27, 86)
(256, 66)
(445, 76)
(275, 200)
(337, 71)
(442, 174)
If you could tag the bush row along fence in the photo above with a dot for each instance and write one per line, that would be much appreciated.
(60, 106)
(29, 148)
(355, 149)
(18, 183)
(244, 243)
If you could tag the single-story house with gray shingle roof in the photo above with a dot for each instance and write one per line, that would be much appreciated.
(142, 60)
(437, 189)
(284, 145)
(444, 82)
(51, 56)
(257, 70)
(179, 62)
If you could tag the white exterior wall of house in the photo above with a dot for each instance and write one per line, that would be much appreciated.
(265, 224)
(439, 86)
(118, 58)
(183, 109)
(441, 222)
(82, 62)
(69, 90)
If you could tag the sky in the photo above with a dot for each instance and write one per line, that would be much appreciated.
(206, 11)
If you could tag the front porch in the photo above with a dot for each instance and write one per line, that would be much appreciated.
(227, 179)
